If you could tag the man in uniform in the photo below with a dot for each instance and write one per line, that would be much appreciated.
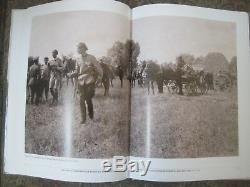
(34, 78)
(45, 76)
(55, 83)
(179, 73)
(89, 72)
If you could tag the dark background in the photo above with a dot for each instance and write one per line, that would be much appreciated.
(20, 181)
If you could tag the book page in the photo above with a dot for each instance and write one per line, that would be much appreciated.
(68, 99)
(189, 102)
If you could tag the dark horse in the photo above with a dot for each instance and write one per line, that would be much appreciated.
(120, 73)
(34, 82)
(132, 78)
(69, 67)
(106, 78)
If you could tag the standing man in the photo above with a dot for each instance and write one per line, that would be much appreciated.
(179, 73)
(34, 79)
(55, 83)
(89, 72)
(45, 77)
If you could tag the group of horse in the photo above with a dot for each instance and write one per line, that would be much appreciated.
(187, 81)
(38, 88)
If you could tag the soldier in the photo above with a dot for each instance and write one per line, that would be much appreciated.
(45, 77)
(89, 72)
(179, 74)
(55, 83)
(34, 78)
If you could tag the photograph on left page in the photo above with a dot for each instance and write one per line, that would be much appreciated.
(77, 96)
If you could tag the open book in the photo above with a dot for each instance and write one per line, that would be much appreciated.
(100, 92)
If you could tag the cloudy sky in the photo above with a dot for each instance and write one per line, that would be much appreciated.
(62, 31)
(163, 38)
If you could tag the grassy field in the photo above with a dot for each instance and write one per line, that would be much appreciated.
(184, 126)
(162, 125)
(103, 137)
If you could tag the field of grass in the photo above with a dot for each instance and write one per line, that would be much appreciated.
(103, 137)
(174, 127)
(184, 126)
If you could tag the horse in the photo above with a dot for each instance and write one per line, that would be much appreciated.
(209, 78)
(69, 68)
(149, 79)
(120, 73)
(34, 83)
(111, 74)
(45, 76)
(107, 75)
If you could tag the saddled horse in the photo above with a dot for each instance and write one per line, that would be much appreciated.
(149, 79)
(34, 83)
(120, 74)
(107, 77)
(112, 72)
(69, 68)
(133, 78)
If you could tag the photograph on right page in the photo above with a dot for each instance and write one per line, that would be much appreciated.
(184, 88)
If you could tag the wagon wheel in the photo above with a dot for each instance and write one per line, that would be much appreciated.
(222, 82)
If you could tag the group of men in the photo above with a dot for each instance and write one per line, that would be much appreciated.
(48, 77)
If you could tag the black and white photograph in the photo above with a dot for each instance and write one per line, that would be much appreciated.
(103, 91)
(77, 98)
(184, 88)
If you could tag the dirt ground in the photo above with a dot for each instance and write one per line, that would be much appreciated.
(184, 126)
(47, 133)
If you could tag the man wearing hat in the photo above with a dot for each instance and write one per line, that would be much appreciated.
(56, 67)
(45, 76)
(89, 72)
(180, 73)
(34, 77)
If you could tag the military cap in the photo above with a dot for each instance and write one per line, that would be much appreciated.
(55, 51)
(83, 45)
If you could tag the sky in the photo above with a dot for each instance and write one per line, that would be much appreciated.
(63, 31)
(163, 38)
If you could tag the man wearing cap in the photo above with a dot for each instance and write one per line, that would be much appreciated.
(34, 77)
(45, 76)
(56, 67)
(89, 72)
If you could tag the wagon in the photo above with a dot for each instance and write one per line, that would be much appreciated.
(194, 84)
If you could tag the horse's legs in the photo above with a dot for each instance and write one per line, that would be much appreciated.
(152, 86)
(111, 82)
(75, 87)
(121, 81)
(46, 90)
(56, 95)
(148, 85)
(106, 87)
(32, 94)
